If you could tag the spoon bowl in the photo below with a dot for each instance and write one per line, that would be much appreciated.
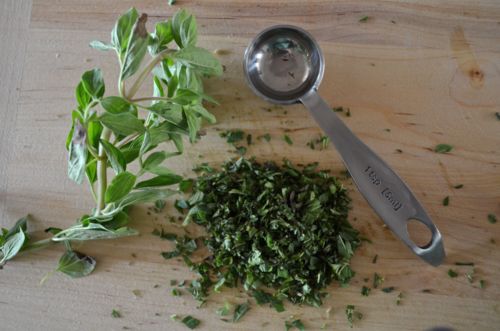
(283, 63)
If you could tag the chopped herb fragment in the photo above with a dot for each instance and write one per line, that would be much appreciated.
(352, 314)
(492, 218)
(365, 291)
(233, 136)
(173, 282)
(116, 314)
(446, 201)
(240, 311)
(288, 139)
(176, 292)
(443, 148)
(321, 143)
(224, 311)
(266, 137)
(375, 259)
(482, 283)
(164, 235)
(249, 139)
(364, 19)
(388, 289)
(497, 114)
(452, 273)
(377, 280)
(459, 186)
(399, 298)
(191, 322)
(295, 324)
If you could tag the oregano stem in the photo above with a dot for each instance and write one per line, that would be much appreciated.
(145, 72)
(102, 167)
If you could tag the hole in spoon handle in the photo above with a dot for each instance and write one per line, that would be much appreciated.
(386, 193)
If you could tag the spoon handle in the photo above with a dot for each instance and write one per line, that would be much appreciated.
(386, 193)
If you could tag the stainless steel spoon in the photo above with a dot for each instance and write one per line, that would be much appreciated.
(284, 65)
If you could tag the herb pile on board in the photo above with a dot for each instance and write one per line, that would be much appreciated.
(274, 228)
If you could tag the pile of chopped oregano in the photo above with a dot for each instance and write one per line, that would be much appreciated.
(271, 227)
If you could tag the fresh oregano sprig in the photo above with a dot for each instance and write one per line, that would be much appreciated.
(112, 131)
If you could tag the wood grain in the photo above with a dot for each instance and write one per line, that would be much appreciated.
(427, 71)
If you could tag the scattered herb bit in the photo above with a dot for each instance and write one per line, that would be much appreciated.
(388, 289)
(338, 109)
(465, 263)
(156, 285)
(266, 137)
(203, 168)
(365, 291)
(249, 139)
(173, 282)
(233, 136)
(184, 246)
(387, 130)
(443, 148)
(364, 19)
(224, 311)
(399, 151)
(393, 22)
(366, 279)
(377, 280)
(375, 259)
(288, 139)
(295, 324)
(322, 143)
(176, 292)
(262, 297)
(323, 326)
(186, 185)
(446, 201)
(492, 241)
(52, 230)
(174, 317)
(171, 2)
(160, 205)
(240, 311)
(482, 283)
(137, 293)
(497, 114)
(492, 218)
(116, 314)
(452, 273)
(191, 322)
(352, 314)
(459, 186)
(470, 276)
(241, 150)
(164, 235)
(348, 112)
(426, 290)
(399, 298)
(277, 228)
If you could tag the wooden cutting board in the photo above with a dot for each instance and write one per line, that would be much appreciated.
(414, 75)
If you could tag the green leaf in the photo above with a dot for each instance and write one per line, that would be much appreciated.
(75, 264)
(136, 48)
(21, 224)
(116, 105)
(443, 148)
(92, 231)
(191, 322)
(189, 32)
(101, 46)
(161, 37)
(177, 25)
(115, 157)
(146, 195)
(194, 124)
(199, 59)
(492, 218)
(122, 31)
(122, 123)
(91, 170)
(12, 246)
(94, 130)
(119, 187)
(77, 159)
(82, 96)
(240, 311)
(154, 160)
(116, 314)
(198, 108)
(163, 180)
(170, 111)
(185, 185)
(93, 83)
(52, 230)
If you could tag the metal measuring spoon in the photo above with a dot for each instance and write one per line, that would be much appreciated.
(284, 65)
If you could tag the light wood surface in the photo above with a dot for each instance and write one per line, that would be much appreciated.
(429, 71)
